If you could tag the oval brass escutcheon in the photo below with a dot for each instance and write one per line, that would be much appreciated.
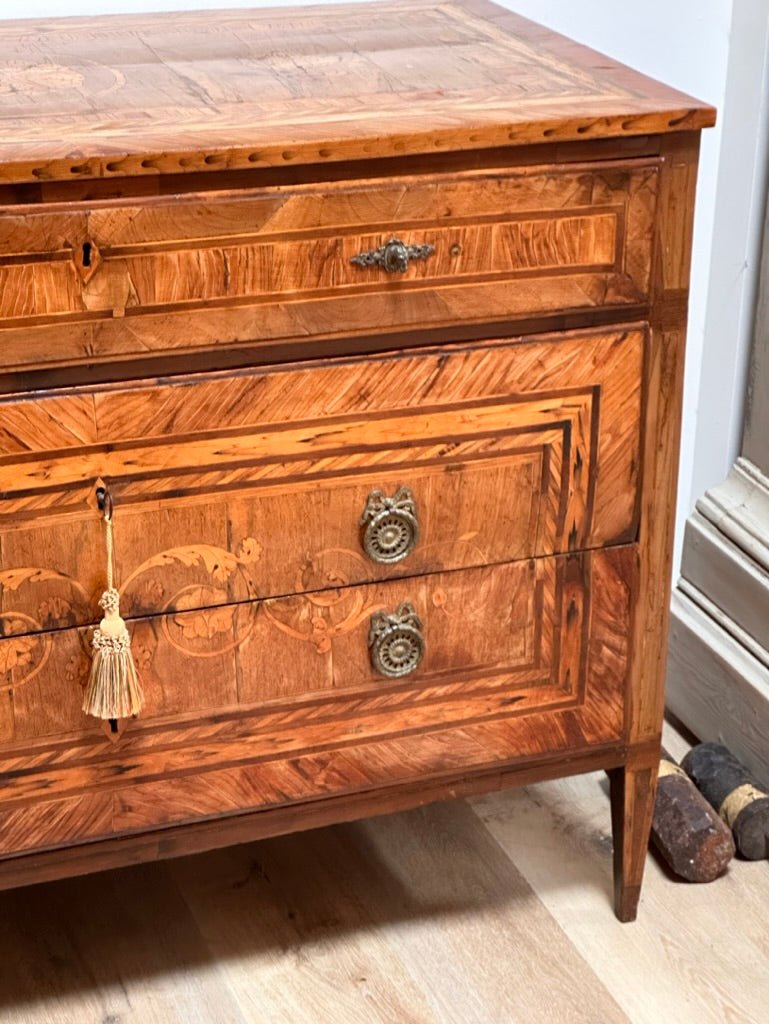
(391, 527)
(396, 642)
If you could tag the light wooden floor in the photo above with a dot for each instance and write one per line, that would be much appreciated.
(494, 911)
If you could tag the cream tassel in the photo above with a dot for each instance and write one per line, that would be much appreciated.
(113, 689)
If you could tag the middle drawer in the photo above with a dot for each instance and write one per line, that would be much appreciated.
(231, 487)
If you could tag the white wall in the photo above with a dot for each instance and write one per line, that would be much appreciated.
(736, 247)
(716, 50)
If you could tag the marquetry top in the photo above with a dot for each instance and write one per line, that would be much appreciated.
(142, 94)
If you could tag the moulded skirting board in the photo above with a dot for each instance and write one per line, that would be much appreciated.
(739, 508)
(718, 662)
(761, 654)
(735, 584)
(716, 687)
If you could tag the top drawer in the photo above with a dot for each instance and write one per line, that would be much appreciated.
(120, 278)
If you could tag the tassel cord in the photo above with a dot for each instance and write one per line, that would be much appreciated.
(110, 544)
(109, 541)
(114, 690)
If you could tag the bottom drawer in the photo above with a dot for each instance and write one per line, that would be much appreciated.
(270, 703)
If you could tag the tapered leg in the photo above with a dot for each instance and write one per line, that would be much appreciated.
(632, 805)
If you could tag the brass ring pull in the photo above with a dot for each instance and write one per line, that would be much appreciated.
(394, 256)
(396, 642)
(391, 527)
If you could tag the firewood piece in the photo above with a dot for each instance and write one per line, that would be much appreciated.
(688, 833)
(729, 787)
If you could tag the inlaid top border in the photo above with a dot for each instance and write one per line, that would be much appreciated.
(130, 95)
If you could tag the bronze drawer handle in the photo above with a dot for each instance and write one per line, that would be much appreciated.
(391, 526)
(394, 256)
(396, 642)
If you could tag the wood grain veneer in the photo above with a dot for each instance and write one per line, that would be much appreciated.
(149, 95)
(198, 659)
(267, 263)
(534, 665)
(265, 474)
(180, 200)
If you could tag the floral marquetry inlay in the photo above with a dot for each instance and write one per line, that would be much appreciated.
(21, 76)
(215, 577)
(33, 600)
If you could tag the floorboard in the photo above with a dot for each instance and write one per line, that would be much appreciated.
(491, 911)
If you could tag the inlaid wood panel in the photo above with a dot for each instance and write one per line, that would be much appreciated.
(210, 90)
(510, 450)
(529, 236)
(522, 661)
(503, 622)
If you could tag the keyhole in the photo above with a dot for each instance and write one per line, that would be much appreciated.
(86, 254)
(113, 726)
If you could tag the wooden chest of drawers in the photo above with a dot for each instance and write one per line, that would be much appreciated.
(370, 320)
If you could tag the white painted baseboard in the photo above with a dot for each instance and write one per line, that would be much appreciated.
(718, 661)
(716, 687)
